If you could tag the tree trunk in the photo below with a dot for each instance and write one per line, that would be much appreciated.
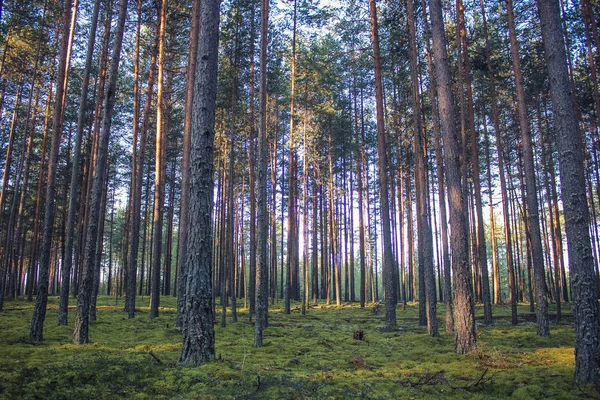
(568, 139)
(39, 312)
(80, 334)
(75, 177)
(185, 162)
(198, 331)
(159, 167)
(421, 182)
(388, 256)
(533, 220)
(262, 300)
(463, 300)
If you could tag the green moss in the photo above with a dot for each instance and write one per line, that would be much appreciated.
(311, 356)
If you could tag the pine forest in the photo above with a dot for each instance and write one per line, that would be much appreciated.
(299, 199)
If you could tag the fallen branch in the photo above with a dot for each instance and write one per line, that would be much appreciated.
(476, 383)
(158, 361)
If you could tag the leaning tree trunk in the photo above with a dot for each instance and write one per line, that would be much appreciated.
(533, 220)
(75, 178)
(80, 333)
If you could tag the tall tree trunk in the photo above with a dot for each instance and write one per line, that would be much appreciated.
(75, 178)
(292, 242)
(481, 249)
(159, 166)
(388, 256)
(80, 333)
(463, 292)
(137, 191)
(441, 180)
(495, 268)
(533, 221)
(360, 189)
(262, 294)
(252, 172)
(421, 184)
(39, 312)
(502, 175)
(568, 139)
(32, 267)
(185, 162)
(198, 331)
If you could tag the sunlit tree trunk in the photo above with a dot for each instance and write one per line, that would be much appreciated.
(463, 292)
(39, 312)
(159, 167)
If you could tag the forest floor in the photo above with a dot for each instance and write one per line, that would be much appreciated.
(305, 356)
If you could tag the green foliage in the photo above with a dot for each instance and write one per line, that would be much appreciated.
(312, 356)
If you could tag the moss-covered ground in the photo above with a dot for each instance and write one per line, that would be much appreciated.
(311, 356)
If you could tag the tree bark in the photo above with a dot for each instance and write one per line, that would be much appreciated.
(198, 331)
(185, 161)
(568, 139)
(465, 337)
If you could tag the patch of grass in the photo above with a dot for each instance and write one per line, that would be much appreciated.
(311, 356)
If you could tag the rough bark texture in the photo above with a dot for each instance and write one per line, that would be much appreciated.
(464, 322)
(568, 139)
(198, 331)
(185, 162)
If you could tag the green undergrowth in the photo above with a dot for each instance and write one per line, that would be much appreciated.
(304, 356)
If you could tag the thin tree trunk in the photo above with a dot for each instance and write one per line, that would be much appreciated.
(75, 178)
(80, 334)
(388, 257)
(262, 300)
(543, 328)
(39, 313)
(159, 167)
(421, 184)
